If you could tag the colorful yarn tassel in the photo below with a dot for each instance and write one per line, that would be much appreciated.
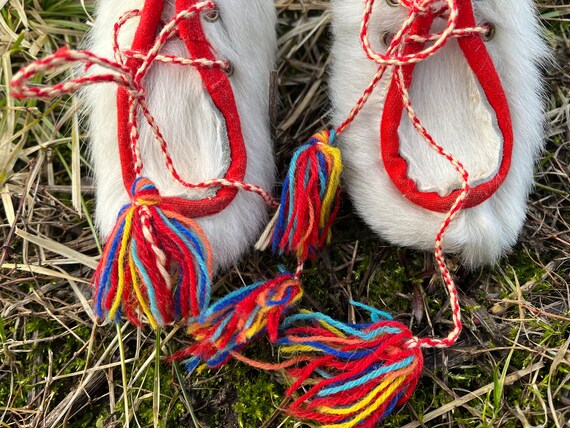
(156, 261)
(310, 198)
(356, 374)
(239, 318)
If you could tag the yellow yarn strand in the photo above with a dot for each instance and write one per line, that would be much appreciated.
(332, 329)
(360, 417)
(257, 326)
(387, 385)
(121, 272)
(322, 322)
(291, 349)
(261, 322)
(334, 181)
(139, 294)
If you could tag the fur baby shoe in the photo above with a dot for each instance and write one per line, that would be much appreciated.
(213, 114)
(177, 97)
(452, 119)
(215, 120)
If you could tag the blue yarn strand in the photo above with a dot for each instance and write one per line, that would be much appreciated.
(367, 377)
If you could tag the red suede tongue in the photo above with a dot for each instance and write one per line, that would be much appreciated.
(216, 82)
(481, 64)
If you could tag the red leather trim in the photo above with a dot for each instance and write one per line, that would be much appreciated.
(143, 41)
(216, 82)
(482, 66)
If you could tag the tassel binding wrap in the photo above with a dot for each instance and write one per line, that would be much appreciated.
(238, 319)
(356, 374)
(156, 261)
(310, 198)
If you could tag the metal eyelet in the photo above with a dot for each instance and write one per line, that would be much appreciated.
(490, 33)
(393, 3)
(230, 70)
(212, 16)
(386, 38)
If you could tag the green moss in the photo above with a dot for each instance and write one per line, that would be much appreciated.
(257, 396)
(524, 266)
(171, 410)
(238, 395)
(389, 279)
(46, 358)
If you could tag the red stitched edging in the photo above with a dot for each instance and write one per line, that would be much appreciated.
(482, 66)
(216, 83)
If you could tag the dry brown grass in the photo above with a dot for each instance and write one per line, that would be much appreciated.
(512, 367)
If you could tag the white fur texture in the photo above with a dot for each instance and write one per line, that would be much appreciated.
(453, 108)
(193, 127)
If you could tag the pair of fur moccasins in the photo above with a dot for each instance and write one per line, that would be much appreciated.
(437, 114)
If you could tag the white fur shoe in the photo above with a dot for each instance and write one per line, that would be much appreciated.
(181, 150)
(478, 95)
(216, 126)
